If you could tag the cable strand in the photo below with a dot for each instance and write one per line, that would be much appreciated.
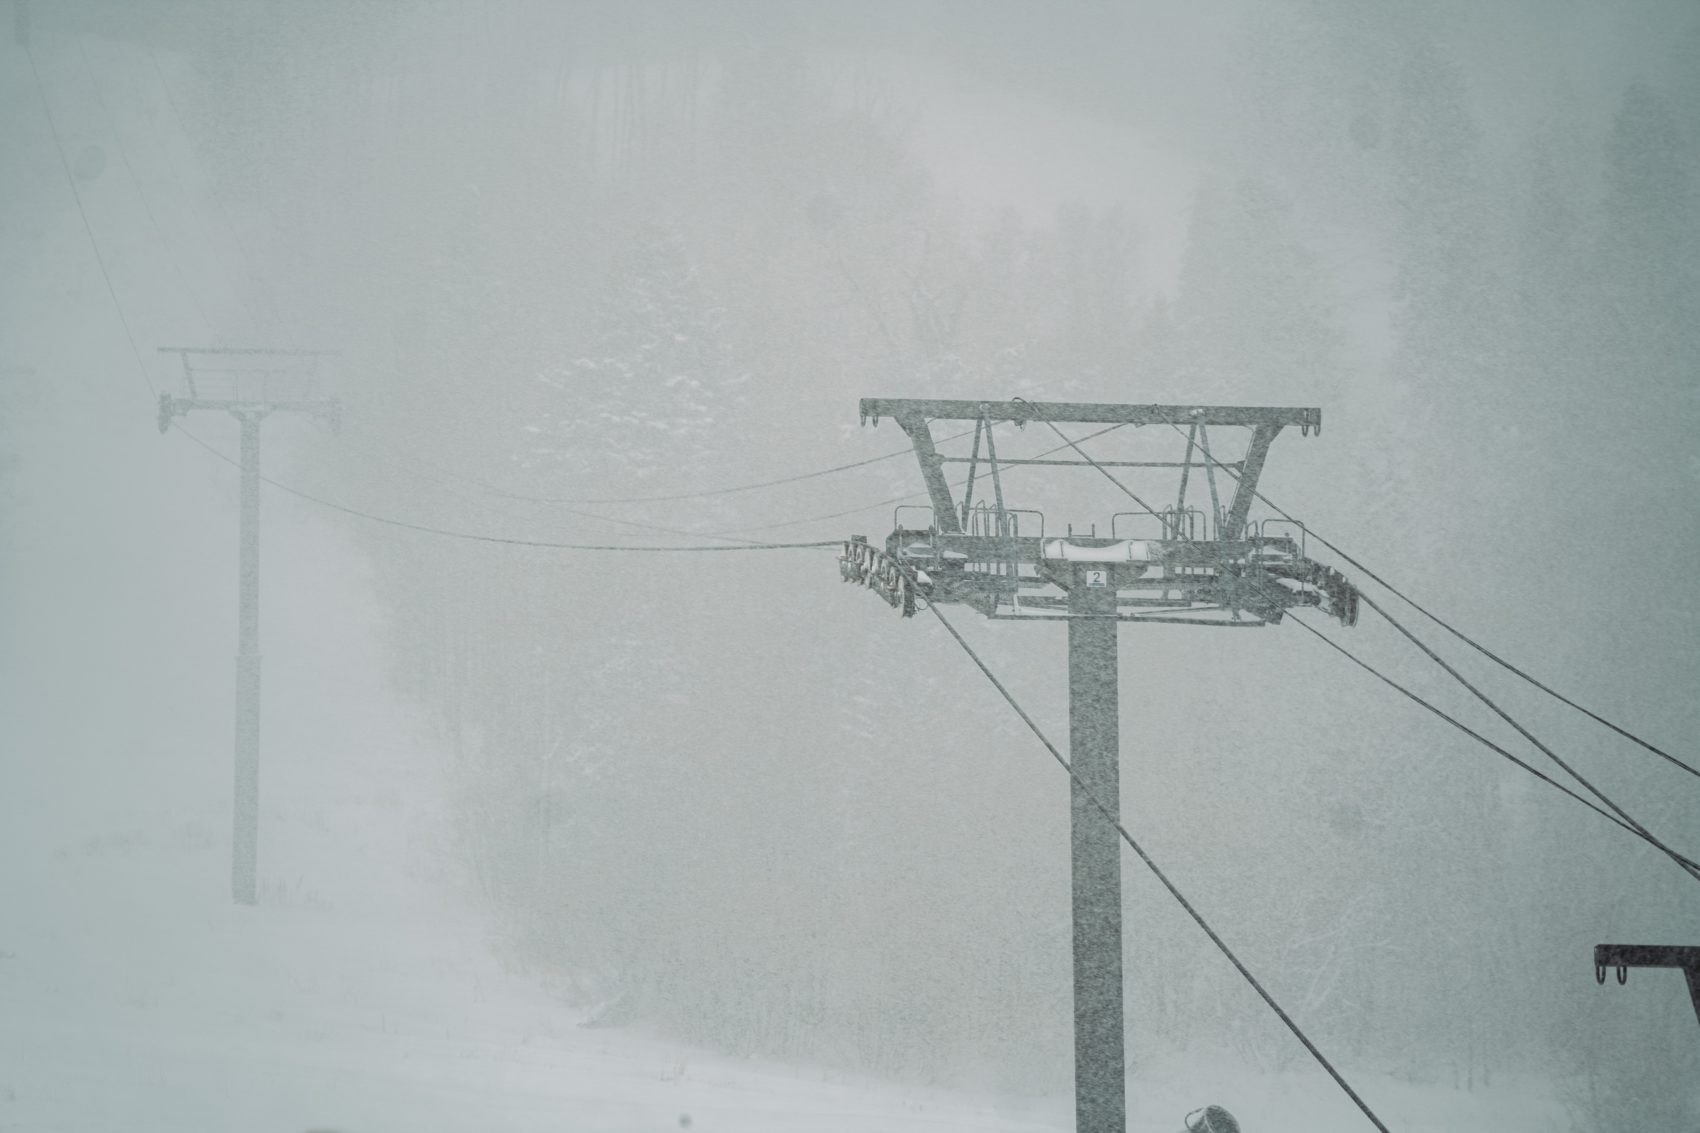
(88, 229)
(1530, 736)
(1472, 733)
(707, 492)
(1104, 471)
(1465, 638)
(541, 543)
(908, 496)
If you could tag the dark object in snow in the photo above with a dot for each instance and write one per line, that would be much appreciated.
(1211, 1119)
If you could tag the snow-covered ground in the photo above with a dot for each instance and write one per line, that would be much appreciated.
(134, 997)
(120, 1016)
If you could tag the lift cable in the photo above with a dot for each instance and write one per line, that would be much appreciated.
(1492, 656)
(1686, 865)
(705, 493)
(409, 526)
(1475, 735)
(1474, 644)
(1198, 919)
(1106, 472)
(731, 535)
(77, 196)
(1528, 735)
(136, 183)
(910, 495)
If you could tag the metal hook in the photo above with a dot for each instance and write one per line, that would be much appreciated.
(1622, 974)
(1600, 974)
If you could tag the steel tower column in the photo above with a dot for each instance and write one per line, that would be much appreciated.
(1093, 693)
(250, 384)
(245, 832)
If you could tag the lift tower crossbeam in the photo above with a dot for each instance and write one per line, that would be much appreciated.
(250, 385)
(1001, 562)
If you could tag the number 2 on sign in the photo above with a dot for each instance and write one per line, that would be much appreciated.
(1097, 578)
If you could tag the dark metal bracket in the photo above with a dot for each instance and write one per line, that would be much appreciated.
(1626, 956)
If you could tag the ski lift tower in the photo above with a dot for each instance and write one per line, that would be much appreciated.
(1187, 567)
(249, 385)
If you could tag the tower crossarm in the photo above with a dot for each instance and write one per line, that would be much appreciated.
(915, 415)
(248, 382)
(1087, 413)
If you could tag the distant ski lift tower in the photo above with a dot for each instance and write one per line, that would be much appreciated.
(250, 385)
(1193, 568)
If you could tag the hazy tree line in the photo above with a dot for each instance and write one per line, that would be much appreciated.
(585, 257)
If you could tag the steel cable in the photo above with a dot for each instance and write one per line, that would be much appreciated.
(1687, 865)
(1470, 641)
(1475, 735)
(542, 543)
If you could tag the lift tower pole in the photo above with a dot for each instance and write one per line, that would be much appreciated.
(1094, 753)
(998, 560)
(250, 385)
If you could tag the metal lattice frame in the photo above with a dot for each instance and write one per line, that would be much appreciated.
(999, 560)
